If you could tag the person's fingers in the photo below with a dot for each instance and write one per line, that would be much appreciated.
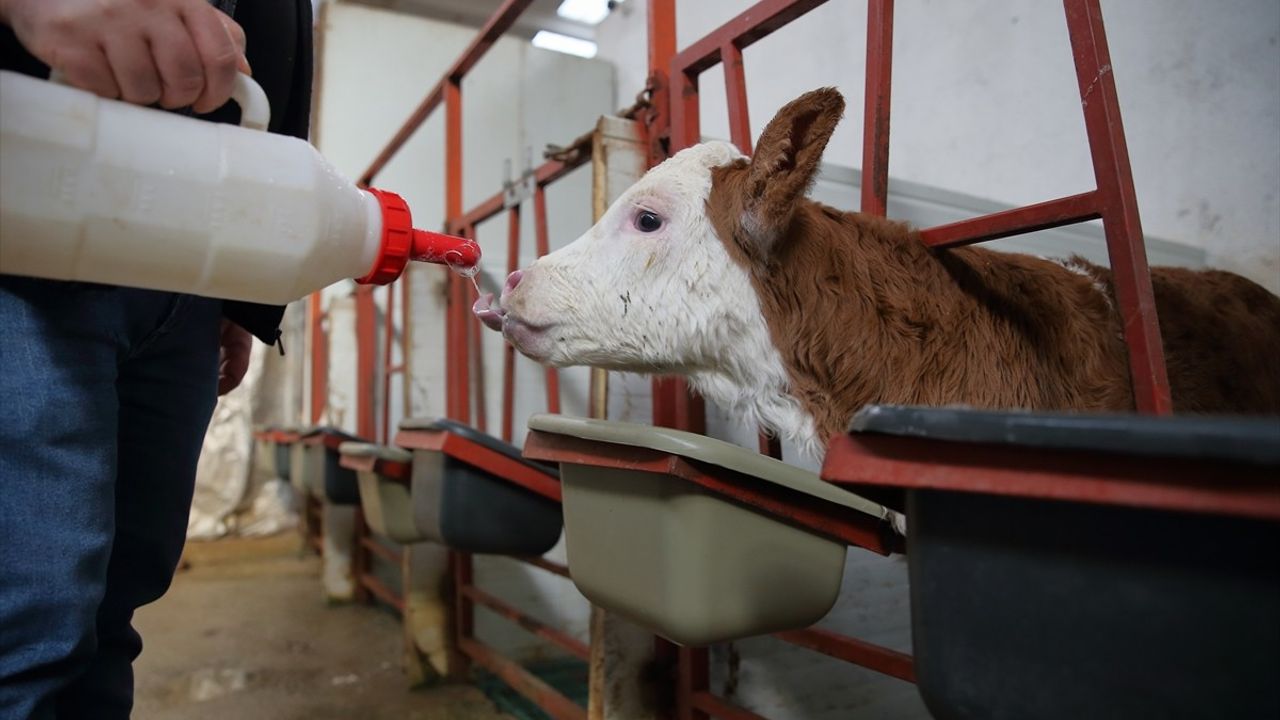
(215, 41)
(133, 68)
(234, 353)
(175, 55)
(87, 68)
(227, 383)
(237, 36)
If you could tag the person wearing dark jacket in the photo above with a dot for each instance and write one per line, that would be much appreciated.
(106, 392)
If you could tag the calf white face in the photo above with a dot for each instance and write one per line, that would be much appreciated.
(653, 287)
(650, 288)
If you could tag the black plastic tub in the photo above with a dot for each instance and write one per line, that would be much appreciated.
(283, 439)
(323, 472)
(461, 504)
(1087, 606)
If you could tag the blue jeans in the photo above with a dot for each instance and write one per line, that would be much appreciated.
(105, 395)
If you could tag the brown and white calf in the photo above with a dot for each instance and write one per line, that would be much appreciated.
(795, 314)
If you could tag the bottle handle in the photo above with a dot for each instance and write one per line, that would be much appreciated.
(255, 110)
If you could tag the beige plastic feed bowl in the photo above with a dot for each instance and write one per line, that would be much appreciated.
(690, 565)
(386, 503)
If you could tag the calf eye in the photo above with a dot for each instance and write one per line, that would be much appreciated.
(648, 222)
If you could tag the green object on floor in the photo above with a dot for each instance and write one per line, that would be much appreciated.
(567, 675)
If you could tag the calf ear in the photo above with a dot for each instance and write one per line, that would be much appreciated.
(785, 163)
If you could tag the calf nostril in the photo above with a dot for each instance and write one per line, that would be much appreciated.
(513, 280)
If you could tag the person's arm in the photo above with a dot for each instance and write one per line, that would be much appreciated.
(177, 53)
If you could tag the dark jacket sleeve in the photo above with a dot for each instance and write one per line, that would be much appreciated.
(279, 48)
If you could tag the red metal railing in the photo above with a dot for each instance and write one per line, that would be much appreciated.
(465, 399)
(672, 122)
(465, 356)
(319, 357)
(1113, 201)
(369, 586)
(725, 45)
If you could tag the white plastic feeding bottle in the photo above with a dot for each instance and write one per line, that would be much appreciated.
(104, 191)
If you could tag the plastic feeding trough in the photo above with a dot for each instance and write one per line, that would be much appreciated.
(316, 469)
(282, 442)
(475, 493)
(384, 475)
(699, 540)
(1073, 566)
(264, 452)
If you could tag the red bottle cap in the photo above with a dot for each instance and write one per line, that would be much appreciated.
(401, 243)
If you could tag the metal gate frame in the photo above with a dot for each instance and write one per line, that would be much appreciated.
(671, 118)
(465, 392)
(1113, 201)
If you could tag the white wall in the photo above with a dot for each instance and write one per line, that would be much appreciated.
(985, 102)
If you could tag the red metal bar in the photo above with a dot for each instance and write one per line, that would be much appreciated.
(402, 135)
(693, 677)
(538, 692)
(490, 207)
(686, 124)
(852, 650)
(551, 567)
(662, 48)
(319, 358)
(475, 333)
(388, 340)
(875, 130)
(379, 550)
(461, 573)
(1120, 218)
(756, 22)
(1182, 484)
(552, 170)
(1031, 218)
(366, 360)
(360, 559)
(508, 350)
(398, 471)
(718, 707)
(457, 371)
(673, 405)
(735, 88)
(531, 625)
(501, 21)
(379, 590)
(542, 245)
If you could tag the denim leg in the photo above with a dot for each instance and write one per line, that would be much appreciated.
(58, 352)
(167, 389)
(104, 397)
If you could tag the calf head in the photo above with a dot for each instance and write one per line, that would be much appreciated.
(664, 282)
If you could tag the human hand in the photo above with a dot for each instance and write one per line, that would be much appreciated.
(235, 344)
(177, 53)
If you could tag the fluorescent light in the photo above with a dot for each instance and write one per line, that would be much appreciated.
(590, 12)
(565, 44)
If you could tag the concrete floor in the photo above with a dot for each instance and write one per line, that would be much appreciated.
(244, 633)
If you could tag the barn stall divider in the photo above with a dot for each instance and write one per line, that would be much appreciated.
(465, 489)
(665, 122)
